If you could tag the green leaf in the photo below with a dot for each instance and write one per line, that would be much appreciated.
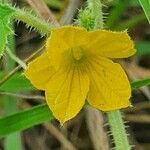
(16, 83)
(134, 3)
(118, 9)
(146, 7)
(25, 119)
(140, 83)
(5, 30)
(129, 24)
(143, 48)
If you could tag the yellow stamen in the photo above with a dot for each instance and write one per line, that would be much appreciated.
(77, 53)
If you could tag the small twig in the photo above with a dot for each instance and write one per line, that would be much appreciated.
(55, 132)
(22, 96)
(95, 126)
(140, 71)
(70, 12)
(74, 135)
(11, 73)
(138, 118)
(15, 58)
(43, 11)
(138, 107)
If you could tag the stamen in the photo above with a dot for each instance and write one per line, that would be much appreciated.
(77, 53)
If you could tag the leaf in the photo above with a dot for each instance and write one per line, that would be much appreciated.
(142, 48)
(118, 9)
(134, 3)
(5, 30)
(16, 83)
(129, 24)
(12, 141)
(139, 83)
(146, 7)
(25, 119)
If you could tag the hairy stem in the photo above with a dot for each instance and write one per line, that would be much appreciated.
(96, 7)
(15, 58)
(32, 21)
(118, 130)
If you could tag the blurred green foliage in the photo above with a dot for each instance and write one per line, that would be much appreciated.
(16, 83)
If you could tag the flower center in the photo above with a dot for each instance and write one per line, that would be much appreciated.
(77, 53)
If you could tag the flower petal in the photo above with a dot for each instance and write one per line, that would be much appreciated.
(109, 85)
(63, 39)
(66, 93)
(111, 44)
(39, 71)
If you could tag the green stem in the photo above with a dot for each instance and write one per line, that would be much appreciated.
(16, 59)
(32, 21)
(96, 9)
(118, 130)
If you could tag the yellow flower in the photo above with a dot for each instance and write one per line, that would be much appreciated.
(76, 66)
